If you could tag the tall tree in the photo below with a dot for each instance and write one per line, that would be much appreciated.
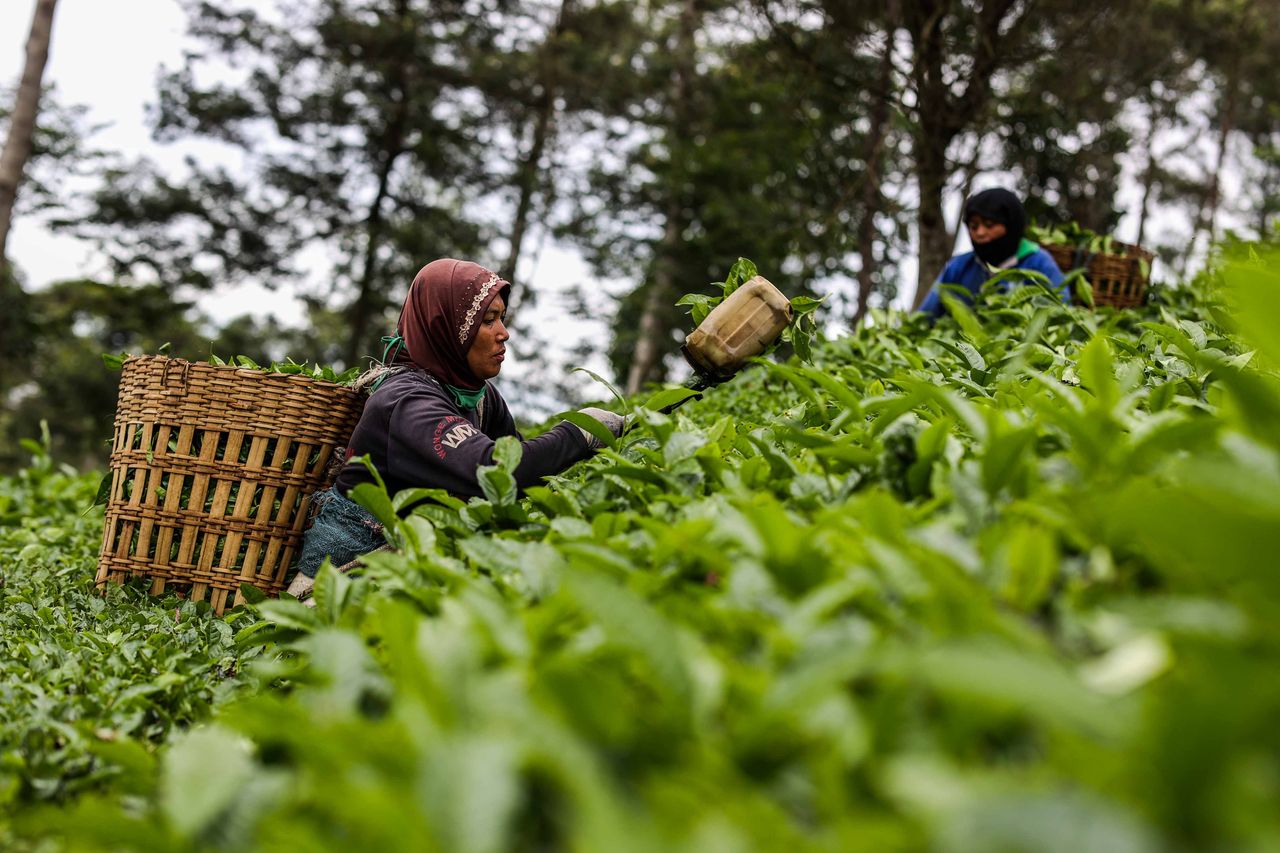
(1163, 67)
(22, 124)
(1238, 41)
(862, 29)
(560, 77)
(1268, 201)
(13, 162)
(661, 292)
(362, 140)
(60, 156)
(872, 195)
(1063, 124)
(1259, 125)
(947, 38)
(730, 134)
(534, 123)
(1158, 115)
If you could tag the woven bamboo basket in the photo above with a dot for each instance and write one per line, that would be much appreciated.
(212, 473)
(1117, 277)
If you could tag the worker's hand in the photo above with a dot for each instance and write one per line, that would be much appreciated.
(302, 589)
(612, 422)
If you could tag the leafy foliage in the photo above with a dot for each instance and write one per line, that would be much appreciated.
(287, 367)
(89, 685)
(1073, 234)
(1000, 582)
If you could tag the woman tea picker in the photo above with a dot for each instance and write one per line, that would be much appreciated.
(433, 418)
(996, 223)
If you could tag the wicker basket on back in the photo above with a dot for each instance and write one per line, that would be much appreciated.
(1118, 278)
(212, 472)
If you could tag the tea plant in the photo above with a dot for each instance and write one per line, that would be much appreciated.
(1000, 582)
(89, 685)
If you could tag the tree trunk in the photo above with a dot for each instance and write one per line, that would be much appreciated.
(871, 179)
(362, 309)
(526, 182)
(1270, 185)
(652, 330)
(966, 188)
(931, 223)
(933, 135)
(1224, 134)
(527, 174)
(22, 122)
(1148, 181)
(1205, 220)
(392, 149)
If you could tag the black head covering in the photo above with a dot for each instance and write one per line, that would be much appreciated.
(1001, 206)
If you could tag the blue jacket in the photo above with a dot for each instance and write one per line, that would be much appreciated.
(970, 273)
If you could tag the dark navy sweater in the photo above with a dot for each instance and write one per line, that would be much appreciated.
(417, 436)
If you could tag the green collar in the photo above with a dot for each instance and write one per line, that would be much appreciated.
(464, 398)
(1027, 247)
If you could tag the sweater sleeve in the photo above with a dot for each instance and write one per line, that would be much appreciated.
(932, 304)
(429, 444)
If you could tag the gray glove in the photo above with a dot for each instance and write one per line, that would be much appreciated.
(302, 589)
(613, 422)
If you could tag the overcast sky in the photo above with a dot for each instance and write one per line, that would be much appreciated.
(103, 58)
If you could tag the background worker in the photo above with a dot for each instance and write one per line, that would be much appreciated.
(997, 222)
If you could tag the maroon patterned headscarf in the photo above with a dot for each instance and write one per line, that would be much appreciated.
(442, 314)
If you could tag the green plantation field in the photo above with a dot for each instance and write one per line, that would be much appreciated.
(1006, 583)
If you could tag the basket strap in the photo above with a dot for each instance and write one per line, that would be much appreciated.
(392, 345)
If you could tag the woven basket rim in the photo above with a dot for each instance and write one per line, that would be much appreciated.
(257, 374)
(1130, 251)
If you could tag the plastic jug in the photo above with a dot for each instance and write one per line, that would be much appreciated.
(738, 329)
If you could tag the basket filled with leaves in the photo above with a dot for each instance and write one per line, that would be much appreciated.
(1117, 272)
(212, 471)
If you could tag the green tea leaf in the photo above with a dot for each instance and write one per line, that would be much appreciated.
(202, 776)
(374, 499)
(669, 398)
(1097, 370)
(612, 390)
(591, 425)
